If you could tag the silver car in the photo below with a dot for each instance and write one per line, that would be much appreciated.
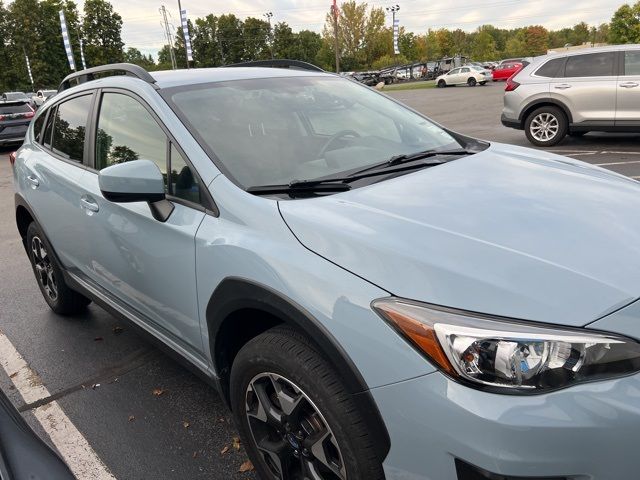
(575, 93)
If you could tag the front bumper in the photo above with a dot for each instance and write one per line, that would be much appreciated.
(585, 432)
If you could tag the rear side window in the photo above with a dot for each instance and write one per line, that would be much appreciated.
(590, 65)
(551, 69)
(127, 131)
(15, 108)
(69, 128)
(38, 126)
(46, 136)
(632, 62)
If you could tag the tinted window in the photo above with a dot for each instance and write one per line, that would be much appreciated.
(184, 184)
(69, 127)
(632, 62)
(127, 131)
(38, 125)
(465, 70)
(15, 108)
(550, 69)
(590, 65)
(46, 138)
(454, 71)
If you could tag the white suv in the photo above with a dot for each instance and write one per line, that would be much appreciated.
(575, 93)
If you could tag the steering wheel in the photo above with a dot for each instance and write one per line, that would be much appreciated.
(336, 136)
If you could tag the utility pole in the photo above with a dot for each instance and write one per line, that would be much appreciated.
(336, 43)
(269, 15)
(184, 36)
(165, 24)
(396, 31)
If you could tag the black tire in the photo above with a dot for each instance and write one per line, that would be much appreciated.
(471, 82)
(442, 84)
(483, 83)
(556, 125)
(282, 356)
(60, 298)
(579, 133)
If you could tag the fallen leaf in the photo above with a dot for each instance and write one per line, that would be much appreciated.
(98, 339)
(186, 424)
(236, 443)
(195, 454)
(95, 385)
(131, 418)
(117, 330)
(11, 387)
(13, 375)
(158, 391)
(224, 450)
(246, 466)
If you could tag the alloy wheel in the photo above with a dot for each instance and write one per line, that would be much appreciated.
(44, 268)
(290, 432)
(544, 127)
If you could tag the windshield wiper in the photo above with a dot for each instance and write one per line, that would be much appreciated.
(410, 157)
(304, 187)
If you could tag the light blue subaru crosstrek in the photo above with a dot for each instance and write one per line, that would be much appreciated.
(374, 296)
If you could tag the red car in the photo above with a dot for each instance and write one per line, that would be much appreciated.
(505, 70)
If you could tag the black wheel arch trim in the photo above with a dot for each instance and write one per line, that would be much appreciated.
(541, 102)
(237, 293)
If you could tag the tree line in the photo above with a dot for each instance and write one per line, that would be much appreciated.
(32, 27)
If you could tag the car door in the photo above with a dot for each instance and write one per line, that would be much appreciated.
(453, 77)
(628, 97)
(465, 73)
(147, 265)
(54, 167)
(588, 88)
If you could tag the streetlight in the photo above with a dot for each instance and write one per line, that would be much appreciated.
(269, 15)
(393, 9)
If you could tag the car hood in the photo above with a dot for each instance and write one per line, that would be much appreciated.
(509, 231)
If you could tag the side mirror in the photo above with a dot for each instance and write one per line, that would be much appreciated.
(136, 181)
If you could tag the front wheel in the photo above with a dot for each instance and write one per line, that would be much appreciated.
(294, 414)
(60, 298)
(442, 84)
(546, 126)
(471, 82)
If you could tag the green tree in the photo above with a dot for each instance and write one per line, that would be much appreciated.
(22, 27)
(378, 39)
(206, 48)
(484, 46)
(102, 32)
(536, 40)
(283, 40)
(306, 46)
(625, 24)
(133, 55)
(256, 35)
(229, 35)
(353, 17)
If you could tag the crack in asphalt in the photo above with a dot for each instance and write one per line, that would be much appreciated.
(129, 363)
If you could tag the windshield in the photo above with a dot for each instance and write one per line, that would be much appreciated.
(272, 131)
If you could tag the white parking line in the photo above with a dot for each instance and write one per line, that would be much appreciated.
(616, 163)
(74, 448)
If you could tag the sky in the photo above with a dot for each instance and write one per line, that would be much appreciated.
(142, 29)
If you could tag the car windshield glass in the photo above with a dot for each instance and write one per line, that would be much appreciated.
(278, 130)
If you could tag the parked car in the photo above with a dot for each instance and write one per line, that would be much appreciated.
(24, 455)
(42, 96)
(574, 93)
(15, 116)
(505, 70)
(370, 78)
(422, 305)
(470, 76)
(13, 96)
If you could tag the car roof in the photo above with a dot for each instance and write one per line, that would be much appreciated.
(173, 78)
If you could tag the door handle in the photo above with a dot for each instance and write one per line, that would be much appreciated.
(89, 205)
(33, 180)
(629, 84)
(562, 86)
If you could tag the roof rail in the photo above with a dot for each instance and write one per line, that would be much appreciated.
(279, 63)
(89, 74)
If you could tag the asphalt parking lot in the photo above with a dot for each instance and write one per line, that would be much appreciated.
(144, 415)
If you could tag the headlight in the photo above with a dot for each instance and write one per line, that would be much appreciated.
(506, 355)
